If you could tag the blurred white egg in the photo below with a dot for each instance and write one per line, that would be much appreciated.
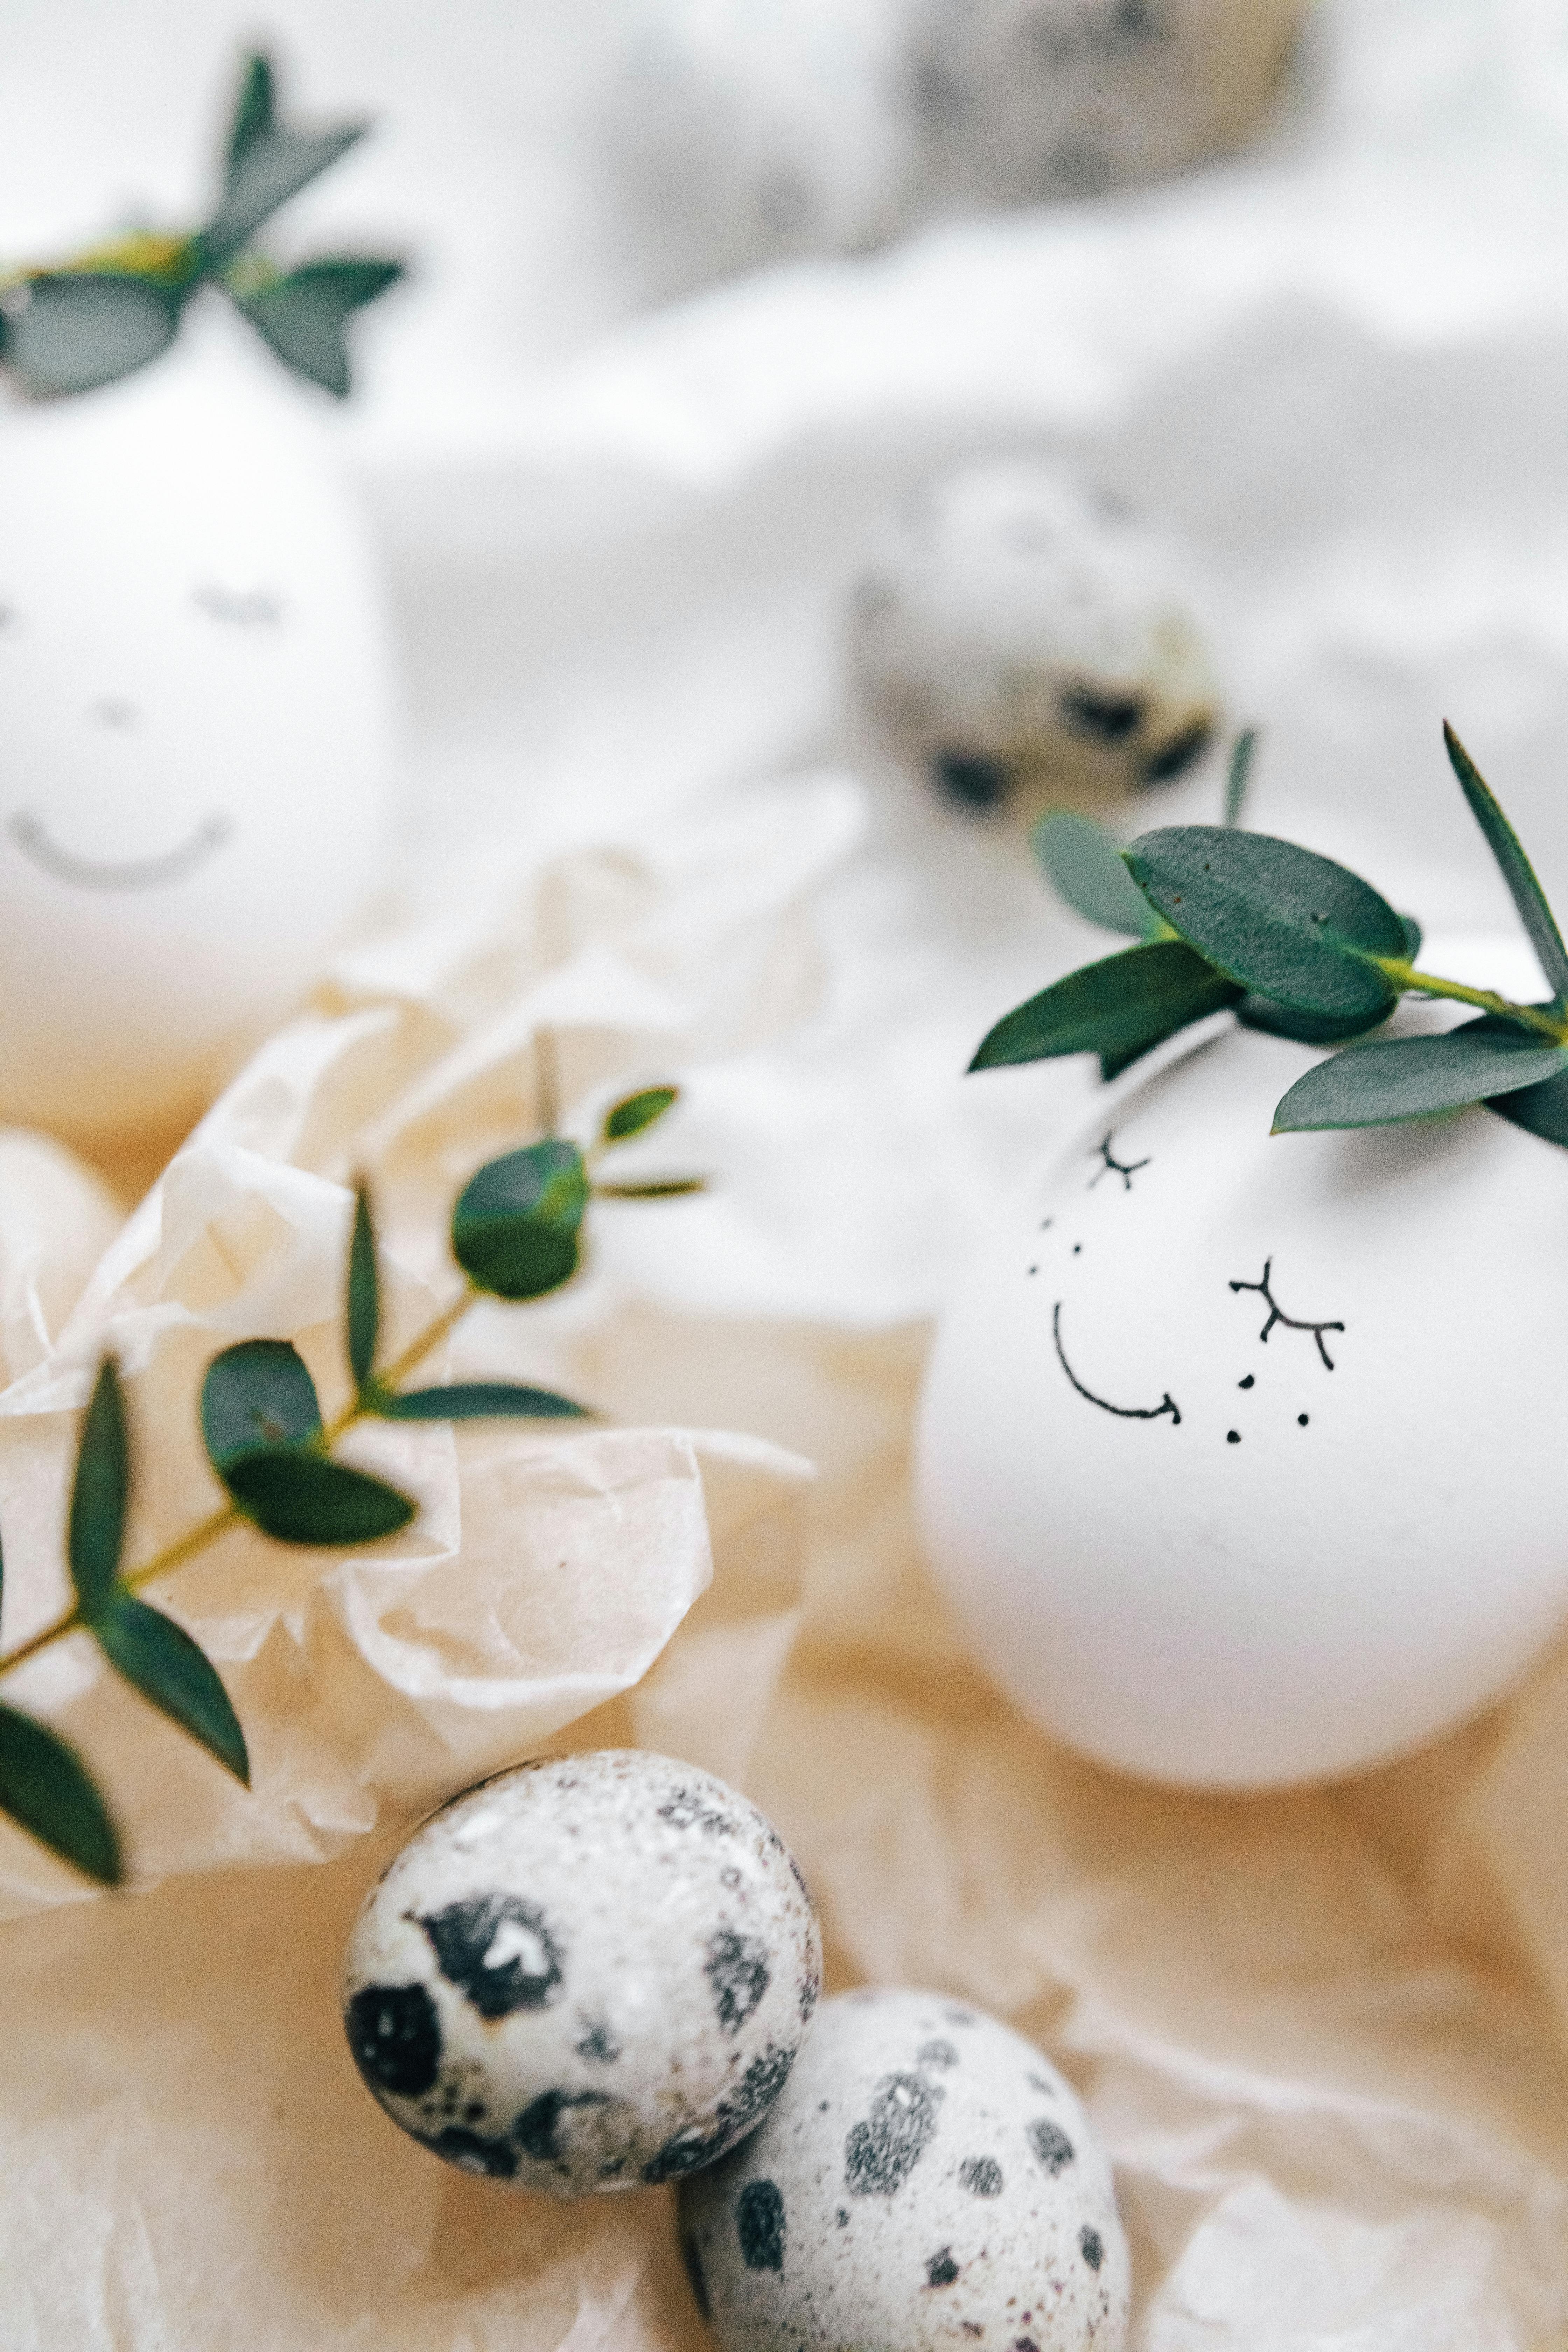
(197, 708)
(1239, 1455)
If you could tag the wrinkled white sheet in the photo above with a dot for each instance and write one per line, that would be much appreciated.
(1322, 2034)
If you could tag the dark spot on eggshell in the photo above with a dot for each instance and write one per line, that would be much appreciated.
(806, 1995)
(535, 2129)
(880, 2153)
(737, 1968)
(497, 1951)
(1101, 714)
(1025, 2344)
(1090, 2247)
(760, 2226)
(687, 1808)
(970, 779)
(842, 2217)
(396, 2037)
(982, 2176)
(474, 2151)
(940, 2268)
(1177, 755)
(938, 2053)
(689, 2151)
(596, 2043)
(691, 2256)
(1051, 2145)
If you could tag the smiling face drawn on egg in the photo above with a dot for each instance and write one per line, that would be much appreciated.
(1167, 1409)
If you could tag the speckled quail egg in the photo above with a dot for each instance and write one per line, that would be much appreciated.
(1024, 99)
(739, 131)
(1019, 636)
(925, 2180)
(588, 1973)
(1237, 1456)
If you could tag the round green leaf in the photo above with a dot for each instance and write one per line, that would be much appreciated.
(47, 1791)
(515, 1226)
(255, 1395)
(304, 316)
(634, 1112)
(76, 329)
(1084, 865)
(1119, 1008)
(1281, 920)
(1410, 1077)
(305, 1498)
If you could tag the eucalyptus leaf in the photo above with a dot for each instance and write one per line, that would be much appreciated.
(657, 1188)
(98, 1494)
(1280, 921)
(1083, 861)
(303, 317)
(159, 1658)
(1305, 1028)
(253, 110)
(1515, 868)
(1410, 1077)
(47, 1791)
(71, 330)
(257, 1394)
(305, 1498)
(1542, 1109)
(363, 1317)
(1119, 1008)
(478, 1400)
(1239, 774)
(266, 162)
(634, 1112)
(1412, 937)
(516, 1223)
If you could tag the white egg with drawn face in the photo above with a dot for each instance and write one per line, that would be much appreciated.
(1239, 1457)
(196, 726)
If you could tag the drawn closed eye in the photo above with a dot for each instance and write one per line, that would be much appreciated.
(239, 608)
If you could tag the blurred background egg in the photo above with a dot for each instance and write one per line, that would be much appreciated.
(197, 710)
(1239, 1455)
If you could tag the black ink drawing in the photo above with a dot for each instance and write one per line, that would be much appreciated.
(1292, 1323)
(1167, 1403)
(1112, 1165)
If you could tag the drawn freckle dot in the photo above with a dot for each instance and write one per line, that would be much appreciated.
(1076, 1247)
(1247, 1383)
(1233, 1437)
(1301, 1420)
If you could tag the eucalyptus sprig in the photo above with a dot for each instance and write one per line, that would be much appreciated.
(516, 1234)
(87, 321)
(1297, 945)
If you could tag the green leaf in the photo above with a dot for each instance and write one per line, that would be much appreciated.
(1236, 780)
(159, 1658)
(47, 1791)
(1119, 1008)
(1280, 921)
(304, 1499)
(657, 1188)
(634, 1112)
(98, 1494)
(1084, 865)
(71, 330)
(363, 1310)
(1412, 937)
(1516, 868)
(257, 1395)
(515, 1226)
(266, 161)
(303, 317)
(1542, 1111)
(1306, 1028)
(478, 1401)
(1410, 1077)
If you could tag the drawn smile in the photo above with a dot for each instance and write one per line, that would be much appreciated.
(31, 835)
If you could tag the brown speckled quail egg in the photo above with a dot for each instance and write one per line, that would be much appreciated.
(1018, 636)
(589, 1973)
(926, 2180)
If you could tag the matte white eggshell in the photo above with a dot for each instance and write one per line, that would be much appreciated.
(590, 1973)
(1014, 633)
(926, 2180)
(1239, 1456)
(196, 706)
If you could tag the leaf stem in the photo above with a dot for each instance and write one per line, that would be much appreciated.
(1426, 984)
(206, 1531)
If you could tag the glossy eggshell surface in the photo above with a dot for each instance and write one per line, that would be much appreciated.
(926, 2180)
(196, 704)
(1239, 1455)
(588, 1974)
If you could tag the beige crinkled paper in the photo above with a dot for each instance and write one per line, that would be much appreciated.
(1322, 2033)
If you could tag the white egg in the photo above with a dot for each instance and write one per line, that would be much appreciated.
(1017, 636)
(739, 131)
(1026, 98)
(197, 708)
(925, 2179)
(587, 1974)
(1239, 1454)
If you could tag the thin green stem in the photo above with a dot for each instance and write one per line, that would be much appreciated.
(1426, 984)
(206, 1531)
